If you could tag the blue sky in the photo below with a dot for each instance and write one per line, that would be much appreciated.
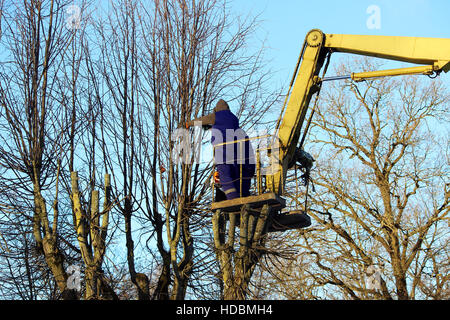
(286, 22)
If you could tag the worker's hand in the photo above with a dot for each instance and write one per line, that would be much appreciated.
(189, 124)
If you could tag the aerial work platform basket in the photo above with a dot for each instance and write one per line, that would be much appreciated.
(257, 201)
(278, 221)
(280, 218)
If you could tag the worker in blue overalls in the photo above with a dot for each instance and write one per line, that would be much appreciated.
(232, 150)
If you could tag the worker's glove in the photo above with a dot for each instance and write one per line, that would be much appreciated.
(216, 177)
(184, 125)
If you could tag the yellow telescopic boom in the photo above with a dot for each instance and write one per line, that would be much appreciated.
(433, 54)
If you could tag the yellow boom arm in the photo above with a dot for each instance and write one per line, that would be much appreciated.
(432, 53)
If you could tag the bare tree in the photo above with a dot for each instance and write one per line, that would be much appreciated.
(382, 193)
(32, 124)
(121, 74)
(85, 95)
(193, 54)
(43, 95)
(2, 3)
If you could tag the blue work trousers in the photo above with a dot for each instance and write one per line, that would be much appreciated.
(229, 176)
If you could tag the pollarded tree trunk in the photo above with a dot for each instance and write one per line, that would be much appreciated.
(90, 225)
(237, 266)
(48, 245)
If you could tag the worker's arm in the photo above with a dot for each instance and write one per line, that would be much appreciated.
(207, 121)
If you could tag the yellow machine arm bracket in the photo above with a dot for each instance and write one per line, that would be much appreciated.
(426, 70)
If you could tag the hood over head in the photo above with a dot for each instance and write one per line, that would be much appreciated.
(221, 105)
